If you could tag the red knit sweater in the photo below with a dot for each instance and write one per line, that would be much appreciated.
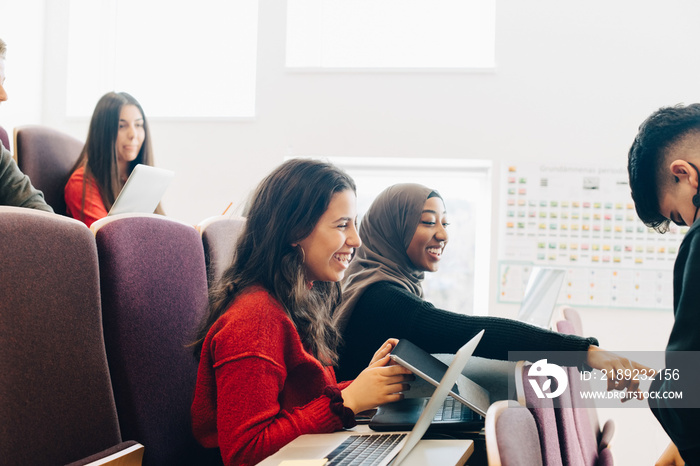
(257, 387)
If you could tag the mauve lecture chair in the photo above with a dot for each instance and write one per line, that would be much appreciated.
(219, 237)
(46, 156)
(56, 401)
(511, 435)
(154, 293)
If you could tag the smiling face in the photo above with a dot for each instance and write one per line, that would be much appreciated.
(430, 238)
(329, 247)
(130, 136)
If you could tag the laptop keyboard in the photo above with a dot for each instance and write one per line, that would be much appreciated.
(449, 410)
(364, 449)
(453, 410)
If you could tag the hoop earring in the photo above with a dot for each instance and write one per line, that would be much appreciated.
(303, 255)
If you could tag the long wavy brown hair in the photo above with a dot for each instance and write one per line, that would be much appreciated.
(283, 211)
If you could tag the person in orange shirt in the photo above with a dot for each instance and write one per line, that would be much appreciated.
(117, 141)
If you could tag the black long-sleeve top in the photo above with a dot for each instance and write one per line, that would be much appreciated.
(386, 310)
(682, 423)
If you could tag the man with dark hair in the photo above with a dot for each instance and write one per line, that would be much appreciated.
(665, 182)
(15, 187)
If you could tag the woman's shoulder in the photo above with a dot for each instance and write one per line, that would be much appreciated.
(257, 296)
(253, 308)
(386, 293)
(389, 288)
(76, 178)
(255, 321)
(74, 185)
(77, 175)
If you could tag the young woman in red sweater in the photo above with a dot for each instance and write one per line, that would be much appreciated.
(268, 345)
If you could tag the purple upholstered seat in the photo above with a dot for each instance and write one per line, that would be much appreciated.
(584, 413)
(219, 238)
(573, 325)
(46, 157)
(542, 410)
(571, 450)
(56, 402)
(572, 316)
(154, 291)
(511, 435)
(578, 411)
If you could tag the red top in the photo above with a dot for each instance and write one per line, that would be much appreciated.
(257, 387)
(73, 194)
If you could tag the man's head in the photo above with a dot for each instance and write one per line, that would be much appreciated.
(662, 166)
(3, 51)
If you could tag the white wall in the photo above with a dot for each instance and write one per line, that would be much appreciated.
(573, 82)
(22, 27)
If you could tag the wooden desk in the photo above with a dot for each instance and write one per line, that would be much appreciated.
(442, 452)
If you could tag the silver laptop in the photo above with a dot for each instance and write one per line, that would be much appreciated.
(142, 191)
(393, 448)
(541, 296)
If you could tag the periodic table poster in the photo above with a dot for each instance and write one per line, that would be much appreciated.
(582, 219)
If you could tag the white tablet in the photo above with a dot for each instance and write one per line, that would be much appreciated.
(143, 190)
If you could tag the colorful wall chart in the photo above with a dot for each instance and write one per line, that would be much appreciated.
(582, 219)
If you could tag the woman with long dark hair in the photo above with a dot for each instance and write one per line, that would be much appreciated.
(118, 140)
(268, 344)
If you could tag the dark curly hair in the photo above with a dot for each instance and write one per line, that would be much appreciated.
(645, 163)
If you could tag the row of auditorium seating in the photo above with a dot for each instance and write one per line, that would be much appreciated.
(47, 155)
(551, 431)
(94, 328)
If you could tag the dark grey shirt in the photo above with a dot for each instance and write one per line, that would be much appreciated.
(15, 187)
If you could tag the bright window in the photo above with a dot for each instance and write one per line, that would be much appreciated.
(421, 34)
(462, 283)
(178, 58)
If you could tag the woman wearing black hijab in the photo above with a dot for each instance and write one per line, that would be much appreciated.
(404, 234)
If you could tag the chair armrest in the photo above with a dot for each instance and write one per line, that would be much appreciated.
(125, 454)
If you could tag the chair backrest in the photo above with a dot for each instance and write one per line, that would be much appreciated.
(154, 292)
(571, 315)
(582, 412)
(46, 156)
(4, 138)
(219, 237)
(56, 400)
(511, 435)
(542, 410)
(571, 450)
